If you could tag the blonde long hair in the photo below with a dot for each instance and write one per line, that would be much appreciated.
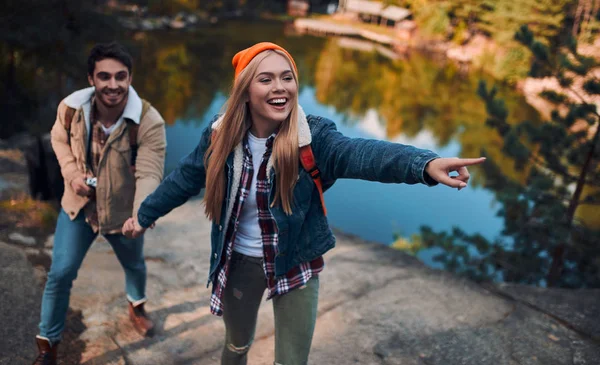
(235, 124)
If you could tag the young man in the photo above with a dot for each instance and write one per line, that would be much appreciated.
(110, 145)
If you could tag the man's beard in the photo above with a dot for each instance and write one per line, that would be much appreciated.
(102, 94)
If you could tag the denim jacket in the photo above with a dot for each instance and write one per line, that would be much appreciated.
(305, 234)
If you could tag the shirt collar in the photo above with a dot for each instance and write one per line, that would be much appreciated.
(132, 111)
(269, 142)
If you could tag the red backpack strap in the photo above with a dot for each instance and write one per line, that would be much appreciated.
(68, 120)
(308, 162)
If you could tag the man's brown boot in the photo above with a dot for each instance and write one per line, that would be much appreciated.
(47, 355)
(142, 323)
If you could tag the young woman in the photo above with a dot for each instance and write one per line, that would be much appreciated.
(269, 228)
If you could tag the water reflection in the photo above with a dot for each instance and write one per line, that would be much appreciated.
(415, 101)
(181, 73)
(415, 95)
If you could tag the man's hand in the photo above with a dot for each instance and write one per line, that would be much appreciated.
(80, 187)
(132, 229)
(440, 169)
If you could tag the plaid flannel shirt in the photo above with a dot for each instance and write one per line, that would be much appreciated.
(295, 278)
(97, 142)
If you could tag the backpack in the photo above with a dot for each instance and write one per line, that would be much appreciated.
(132, 128)
(307, 159)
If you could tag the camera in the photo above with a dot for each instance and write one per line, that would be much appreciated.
(91, 182)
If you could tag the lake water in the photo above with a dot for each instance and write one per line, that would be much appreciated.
(412, 99)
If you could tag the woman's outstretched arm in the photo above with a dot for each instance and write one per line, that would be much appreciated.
(340, 157)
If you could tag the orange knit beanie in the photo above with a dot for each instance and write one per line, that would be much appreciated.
(243, 58)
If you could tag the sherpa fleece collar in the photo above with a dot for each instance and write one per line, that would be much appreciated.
(132, 111)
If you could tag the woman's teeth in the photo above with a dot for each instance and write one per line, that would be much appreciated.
(278, 101)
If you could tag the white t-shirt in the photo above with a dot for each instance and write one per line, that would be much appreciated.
(248, 240)
(109, 130)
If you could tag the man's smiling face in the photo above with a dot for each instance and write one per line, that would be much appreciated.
(111, 79)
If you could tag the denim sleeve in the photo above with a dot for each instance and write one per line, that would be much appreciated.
(187, 180)
(339, 156)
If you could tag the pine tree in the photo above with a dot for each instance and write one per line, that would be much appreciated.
(500, 19)
(504, 17)
(543, 241)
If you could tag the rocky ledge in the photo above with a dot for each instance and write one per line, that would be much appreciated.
(377, 306)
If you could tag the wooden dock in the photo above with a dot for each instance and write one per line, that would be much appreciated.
(367, 46)
(325, 28)
(376, 37)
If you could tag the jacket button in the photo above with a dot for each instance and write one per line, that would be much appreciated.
(215, 256)
(220, 227)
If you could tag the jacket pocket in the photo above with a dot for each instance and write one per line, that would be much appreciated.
(119, 177)
(123, 154)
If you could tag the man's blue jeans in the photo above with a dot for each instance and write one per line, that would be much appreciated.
(72, 240)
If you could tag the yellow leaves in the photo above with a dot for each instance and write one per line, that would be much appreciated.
(411, 246)
(170, 85)
(413, 95)
(22, 211)
(589, 214)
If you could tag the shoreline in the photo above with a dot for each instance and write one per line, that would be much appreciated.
(376, 305)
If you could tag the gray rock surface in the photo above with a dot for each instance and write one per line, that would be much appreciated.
(377, 306)
(20, 298)
(577, 308)
(22, 239)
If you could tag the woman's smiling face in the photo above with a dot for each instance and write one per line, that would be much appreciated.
(272, 90)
